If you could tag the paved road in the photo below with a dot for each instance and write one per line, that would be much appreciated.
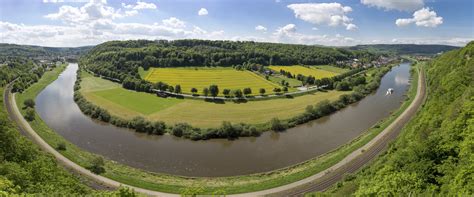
(317, 182)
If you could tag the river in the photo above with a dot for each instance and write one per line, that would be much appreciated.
(216, 157)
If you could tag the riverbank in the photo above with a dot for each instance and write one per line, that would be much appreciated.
(227, 185)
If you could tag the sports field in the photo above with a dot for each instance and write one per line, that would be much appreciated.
(128, 104)
(295, 70)
(224, 78)
(331, 68)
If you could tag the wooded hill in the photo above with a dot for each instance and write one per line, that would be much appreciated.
(29, 51)
(118, 58)
(405, 49)
(435, 152)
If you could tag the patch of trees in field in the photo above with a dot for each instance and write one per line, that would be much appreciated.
(230, 130)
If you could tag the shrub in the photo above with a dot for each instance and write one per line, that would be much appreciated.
(30, 114)
(97, 165)
(61, 146)
(277, 125)
(29, 103)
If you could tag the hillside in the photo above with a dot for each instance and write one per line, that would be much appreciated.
(13, 50)
(119, 59)
(405, 49)
(434, 153)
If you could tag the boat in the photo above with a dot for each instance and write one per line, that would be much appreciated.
(389, 91)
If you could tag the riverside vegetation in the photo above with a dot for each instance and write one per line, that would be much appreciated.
(434, 154)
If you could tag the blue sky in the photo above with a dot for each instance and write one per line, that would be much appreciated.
(336, 22)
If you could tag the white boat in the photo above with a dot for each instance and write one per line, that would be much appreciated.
(389, 91)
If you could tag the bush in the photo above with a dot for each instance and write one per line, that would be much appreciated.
(97, 166)
(30, 114)
(29, 103)
(277, 125)
(61, 146)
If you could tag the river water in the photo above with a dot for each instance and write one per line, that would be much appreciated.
(216, 157)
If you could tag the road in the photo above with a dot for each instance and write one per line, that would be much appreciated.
(317, 182)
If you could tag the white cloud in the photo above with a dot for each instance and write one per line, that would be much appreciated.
(140, 6)
(260, 28)
(423, 17)
(203, 12)
(332, 14)
(351, 27)
(402, 5)
(314, 28)
(174, 22)
(286, 30)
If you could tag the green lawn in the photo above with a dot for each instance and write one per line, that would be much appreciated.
(295, 70)
(198, 77)
(331, 69)
(144, 103)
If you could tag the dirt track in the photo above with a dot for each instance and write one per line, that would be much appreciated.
(317, 182)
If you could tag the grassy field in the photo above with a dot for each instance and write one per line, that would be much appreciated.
(292, 82)
(223, 185)
(128, 104)
(333, 69)
(295, 70)
(198, 77)
(116, 99)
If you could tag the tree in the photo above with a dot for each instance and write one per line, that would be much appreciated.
(205, 91)
(29, 103)
(171, 89)
(214, 90)
(285, 89)
(343, 86)
(97, 166)
(177, 89)
(276, 90)
(226, 92)
(30, 114)
(277, 125)
(238, 93)
(247, 91)
(262, 91)
(61, 146)
(194, 91)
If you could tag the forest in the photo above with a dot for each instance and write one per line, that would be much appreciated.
(434, 154)
(405, 49)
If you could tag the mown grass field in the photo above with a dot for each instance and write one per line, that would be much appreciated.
(128, 104)
(225, 78)
(331, 69)
(295, 70)
(117, 99)
(291, 82)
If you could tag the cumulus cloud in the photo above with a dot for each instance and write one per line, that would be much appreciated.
(286, 30)
(289, 34)
(332, 14)
(203, 12)
(423, 17)
(174, 22)
(260, 28)
(140, 5)
(402, 5)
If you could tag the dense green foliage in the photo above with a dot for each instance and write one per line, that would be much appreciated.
(405, 49)
(435, 153)
(24, 169)
(120, 60)
(13, 50)
(13, 69)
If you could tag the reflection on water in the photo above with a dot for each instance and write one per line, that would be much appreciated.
(216, 157)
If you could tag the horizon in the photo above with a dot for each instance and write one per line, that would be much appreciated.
(336, 23)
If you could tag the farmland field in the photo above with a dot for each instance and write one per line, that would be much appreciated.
(317, 73)
(128, 104)
(225, 78)
(331, 68)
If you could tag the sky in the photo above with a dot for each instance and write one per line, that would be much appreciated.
(72, 23)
